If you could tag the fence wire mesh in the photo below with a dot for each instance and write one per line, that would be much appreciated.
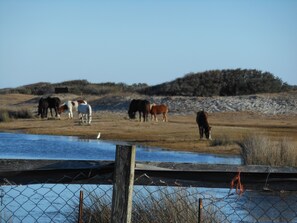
(151, 203)
(181, 204)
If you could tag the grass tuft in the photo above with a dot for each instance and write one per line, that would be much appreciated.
(223, 140)
(261, 150)
(4, 116)
(166, 205)
(7, 115)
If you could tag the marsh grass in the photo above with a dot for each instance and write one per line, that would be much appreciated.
(4, 116)
(164, 205)
(261, 150)
(7, 115)
(223, 140)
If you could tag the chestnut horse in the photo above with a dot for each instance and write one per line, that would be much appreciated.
(203, 126)
(159, 109)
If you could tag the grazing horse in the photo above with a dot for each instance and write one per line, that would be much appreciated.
(49, 102)
(42, 107)
(69, 106)
(54, 103)
(141, 106)
(203, 126)
(159, 109)
(85, 113)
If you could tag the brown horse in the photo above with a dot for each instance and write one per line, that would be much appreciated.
(203, 126)
(159, 109)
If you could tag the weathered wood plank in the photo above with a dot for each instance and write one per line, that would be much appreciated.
(148, 173)
(7, 165)
(123, 184)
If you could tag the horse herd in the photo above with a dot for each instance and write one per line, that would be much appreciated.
(143, 107)
(81, 106)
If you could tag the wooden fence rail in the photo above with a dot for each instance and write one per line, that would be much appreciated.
(124, 173)
(23, 172)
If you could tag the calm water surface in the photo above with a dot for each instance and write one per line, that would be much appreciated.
(28, 146)
(251, 207)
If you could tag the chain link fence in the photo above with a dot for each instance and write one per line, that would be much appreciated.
(151, 203)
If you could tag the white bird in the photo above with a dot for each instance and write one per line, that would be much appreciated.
(98, 136)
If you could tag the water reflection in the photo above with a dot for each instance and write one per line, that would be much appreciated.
(28, 146)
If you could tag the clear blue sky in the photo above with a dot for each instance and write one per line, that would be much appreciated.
(143, 41)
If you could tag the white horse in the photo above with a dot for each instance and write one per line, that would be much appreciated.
(85, 113)
(68, 107)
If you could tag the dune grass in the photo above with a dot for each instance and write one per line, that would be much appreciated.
(261, 150)
(164, 205)
(7, 115)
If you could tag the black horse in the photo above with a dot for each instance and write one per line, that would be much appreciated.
(203, 126)
(141, 106)
(42, 107)
(48, 103)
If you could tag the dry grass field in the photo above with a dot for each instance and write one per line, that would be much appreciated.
(180, 133)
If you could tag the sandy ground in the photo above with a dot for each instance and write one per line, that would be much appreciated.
(179, 133)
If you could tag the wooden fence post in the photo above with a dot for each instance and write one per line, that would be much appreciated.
(80, 211)
(200, 211)
(123, 181)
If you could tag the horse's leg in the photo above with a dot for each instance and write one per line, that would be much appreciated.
(90, 119)
(56, 111)
(79, 118)
(209, 134)
(42, 112)
(166, 118)
(51, 112)
(201, 132)
(82, 118)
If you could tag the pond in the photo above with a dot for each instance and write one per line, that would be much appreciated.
(45, 202)
(28, 146)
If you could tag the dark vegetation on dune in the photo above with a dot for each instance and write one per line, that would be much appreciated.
(229, 82)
